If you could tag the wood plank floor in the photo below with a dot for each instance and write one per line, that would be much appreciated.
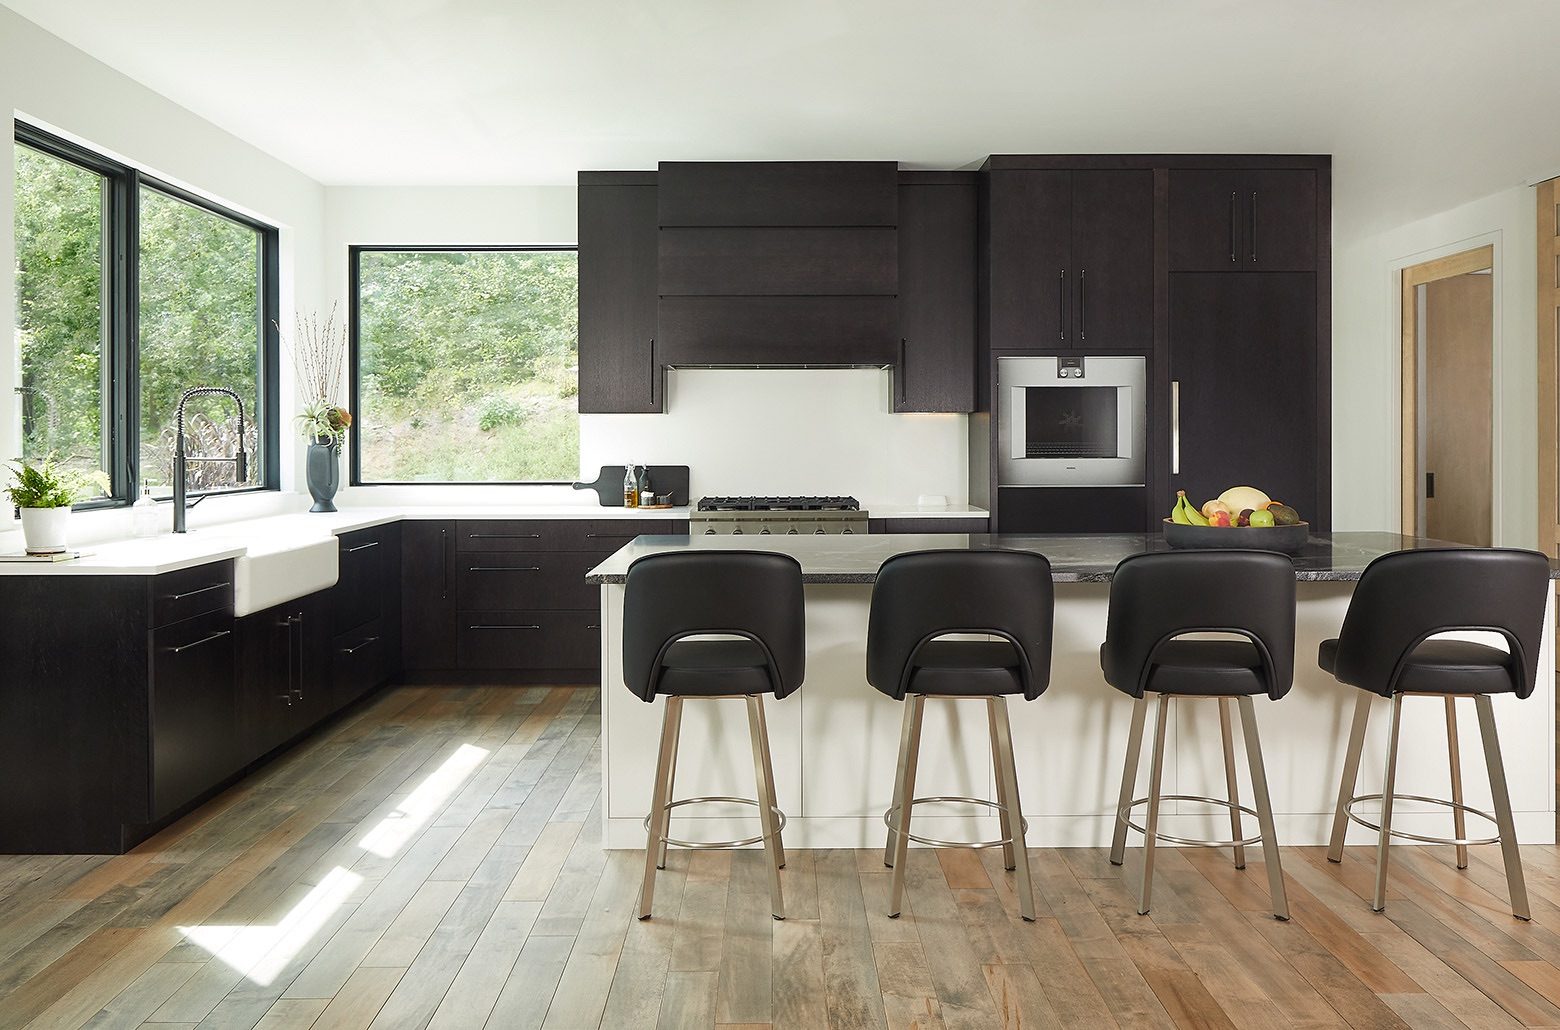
(434, 860)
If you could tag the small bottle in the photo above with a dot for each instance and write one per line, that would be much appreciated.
(630, 488)
(143, 514)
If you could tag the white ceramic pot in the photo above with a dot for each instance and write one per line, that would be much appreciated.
(45, 529)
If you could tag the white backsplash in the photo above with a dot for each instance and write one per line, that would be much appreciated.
(789, 431)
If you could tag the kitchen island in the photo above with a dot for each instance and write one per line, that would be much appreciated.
(835, 740)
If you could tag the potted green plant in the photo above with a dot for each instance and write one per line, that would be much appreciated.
(318, 351)
(44, 493)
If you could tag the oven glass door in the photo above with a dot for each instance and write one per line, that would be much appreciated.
(1072, 422)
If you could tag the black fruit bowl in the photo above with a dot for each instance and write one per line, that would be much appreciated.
(1288, 539)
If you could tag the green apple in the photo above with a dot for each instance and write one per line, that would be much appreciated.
(1261, 518)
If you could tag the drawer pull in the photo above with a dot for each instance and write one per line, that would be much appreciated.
(610, 536)
(218, 635)
(483, 626)
(361, 547)
(592, 626)
(505, 536)
(202, 590)
(503, 568)
(358, 647)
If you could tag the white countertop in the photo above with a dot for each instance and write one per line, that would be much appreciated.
(168, 552)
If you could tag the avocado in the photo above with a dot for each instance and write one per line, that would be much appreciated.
(1284, 515)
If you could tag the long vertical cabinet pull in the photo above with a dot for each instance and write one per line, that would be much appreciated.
(1233, 216)
(444, 558)
(654, 398)
(1253, 226)
(1083, 305)
(1175, 427)
(1061, 306)
(297, 623)
(899, 379)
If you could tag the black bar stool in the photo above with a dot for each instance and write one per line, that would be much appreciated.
(753, 602)
(1385, 648)
(1155, 601)
(920, 599)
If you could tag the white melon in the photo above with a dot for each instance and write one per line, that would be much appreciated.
(1239, 498)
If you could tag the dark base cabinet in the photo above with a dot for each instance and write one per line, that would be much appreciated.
(950, 524)
(1100, 509)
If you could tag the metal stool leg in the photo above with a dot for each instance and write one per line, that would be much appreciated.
(670, 721)
(769, 778)
(1230, 781)
(1007, 774)
(1259, 787)
(1151, 822)
(674, 730)
(766, 802)
(890, 837)
(1508, 829)
(1459, 824)
(910, 753)
(1351, 775)
(1389, 784)
(1002, 797)
(1118, 842)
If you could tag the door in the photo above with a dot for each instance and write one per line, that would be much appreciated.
(193, 710)
(1113, 251)
(937, 290)
(1030, 277)
(1448, 323)
(619, 365)
(428, 592)
(1244, 390)
(1243, 220)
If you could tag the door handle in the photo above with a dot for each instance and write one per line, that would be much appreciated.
(1429, 485)
(653, 397)
(1083, 305)
(1175, 427)
(444, 559)
(899, 378)
(1253, 226)
(504, 536)
(1061, 307)
(483, 626)
(503, 568)
(1233, 205)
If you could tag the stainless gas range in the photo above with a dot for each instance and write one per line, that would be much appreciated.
(777, 516)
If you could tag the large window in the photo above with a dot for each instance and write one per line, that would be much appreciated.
(465, 365)
(130, 291)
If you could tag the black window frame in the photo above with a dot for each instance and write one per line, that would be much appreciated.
(355, 251)
(122, 394)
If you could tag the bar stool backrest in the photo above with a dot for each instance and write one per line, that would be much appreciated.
(1157, 597)
(924, 595)
(1405, 597)
(752, 594)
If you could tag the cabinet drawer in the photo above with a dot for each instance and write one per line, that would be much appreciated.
(605, 535)
(357, 662)
(529, 640)
(184, 594)
(194, 710)
(948, 525)
(526, 580)
(363, 581)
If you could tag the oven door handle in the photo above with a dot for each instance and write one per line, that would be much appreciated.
(1175, 427)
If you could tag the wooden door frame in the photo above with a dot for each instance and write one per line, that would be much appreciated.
(1410, 278)
(1548, 366)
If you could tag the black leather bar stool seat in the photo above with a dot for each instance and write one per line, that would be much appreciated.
(1389, 647)
(919, 601)
(751, 604)
(1156, 600)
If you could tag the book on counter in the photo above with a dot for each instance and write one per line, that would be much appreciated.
(47, 559)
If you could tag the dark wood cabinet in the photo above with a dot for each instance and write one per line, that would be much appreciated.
(750, 262)
(1070, 261)
(365, 646)
(779, 331)
(1244, 371)
(777, 193)
(939, 524)
(428, 591)
(935, 370)
(193, 710)
(284, 685)
(1243, 220)
(619, 367)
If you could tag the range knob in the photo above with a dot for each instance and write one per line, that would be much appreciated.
(791, 531)
(818, 531)
(764, 531)
(737, 531)
(710, 531)
(849, 531)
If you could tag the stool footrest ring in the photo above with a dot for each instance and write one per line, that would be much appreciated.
(716, 845)
(1124, 815)
(1420, 837)
(888, 820)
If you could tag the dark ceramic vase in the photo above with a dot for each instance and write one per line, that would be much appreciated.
(323, 475)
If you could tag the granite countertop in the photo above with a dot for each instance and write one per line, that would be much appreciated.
(1332, 557)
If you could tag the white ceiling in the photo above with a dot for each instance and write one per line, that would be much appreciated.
(1425, 103)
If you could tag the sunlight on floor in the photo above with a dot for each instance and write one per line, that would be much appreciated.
(261, 952)
(397, 828)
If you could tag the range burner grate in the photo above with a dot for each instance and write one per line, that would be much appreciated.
(778, 504)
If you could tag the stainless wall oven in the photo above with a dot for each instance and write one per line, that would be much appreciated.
(1072, 420)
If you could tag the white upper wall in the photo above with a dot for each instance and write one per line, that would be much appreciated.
(49, 83)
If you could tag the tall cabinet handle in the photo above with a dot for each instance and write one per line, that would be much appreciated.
(1175, 427)
(1083, 304)
(1061, 306)
(444, 556)
(1253, 226)
(653, 398)
(1233, 216)
(899, 378)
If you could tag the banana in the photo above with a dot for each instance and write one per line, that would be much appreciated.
(1178, 514)
(1193, 516)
